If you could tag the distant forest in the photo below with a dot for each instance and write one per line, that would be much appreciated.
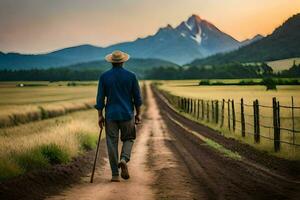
(232, 70)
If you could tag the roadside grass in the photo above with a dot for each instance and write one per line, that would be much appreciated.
(287, 151)
(214, 145)
(50, 144)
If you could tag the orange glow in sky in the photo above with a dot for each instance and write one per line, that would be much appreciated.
(34, 26)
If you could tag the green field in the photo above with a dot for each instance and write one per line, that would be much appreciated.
(190, 89)
(41, 143)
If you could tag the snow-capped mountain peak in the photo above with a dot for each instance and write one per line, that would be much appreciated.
(191, 28)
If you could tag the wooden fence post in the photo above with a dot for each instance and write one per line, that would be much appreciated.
(222, 112)
(212, 111)
(207, 112)
(293, 120)
(195, 107)
(191, 106)
(202, 104)
(198, 108)
(275, 126)
(242, 118)
(257, 138)
(233, 115)
(278, 123)
(228, 110)
(194, 103)
(217, 112)
(254, 120)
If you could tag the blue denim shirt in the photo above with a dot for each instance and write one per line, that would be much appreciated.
(122, 92)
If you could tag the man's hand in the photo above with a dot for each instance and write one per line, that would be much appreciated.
(101, 121)
(138, 119)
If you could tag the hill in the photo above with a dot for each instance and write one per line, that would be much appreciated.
(137, 65)
(283, 43)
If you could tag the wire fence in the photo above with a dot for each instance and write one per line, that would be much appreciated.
(278, 123)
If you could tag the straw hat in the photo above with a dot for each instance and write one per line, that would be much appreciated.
(117, 57)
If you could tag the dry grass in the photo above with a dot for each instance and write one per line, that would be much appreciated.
(280, 65)
(41, 143)
(70, 134)
(190, 88)
(20, 105)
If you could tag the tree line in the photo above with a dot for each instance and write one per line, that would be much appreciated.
(225, 71)
(232, 70)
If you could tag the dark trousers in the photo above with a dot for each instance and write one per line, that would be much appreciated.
(128, 134)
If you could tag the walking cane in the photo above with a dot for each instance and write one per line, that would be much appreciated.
(96, 156)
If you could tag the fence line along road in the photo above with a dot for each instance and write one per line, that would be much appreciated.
(215, 111)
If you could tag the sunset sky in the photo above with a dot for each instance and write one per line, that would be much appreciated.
(34, 26)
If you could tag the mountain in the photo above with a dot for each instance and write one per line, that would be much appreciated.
(191, 39)
(20, 61)
(82, 53)
(254, 39)
(283, 43)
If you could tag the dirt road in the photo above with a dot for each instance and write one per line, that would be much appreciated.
(175, 158)
(169, 162)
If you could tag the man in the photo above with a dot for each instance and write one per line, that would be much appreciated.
(122, 92)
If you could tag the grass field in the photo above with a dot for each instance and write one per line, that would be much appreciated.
(40, 143)
(190, 89)
(280, 65)
(42, 100)
(37, 141)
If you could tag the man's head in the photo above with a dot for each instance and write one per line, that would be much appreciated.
(117, 58)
